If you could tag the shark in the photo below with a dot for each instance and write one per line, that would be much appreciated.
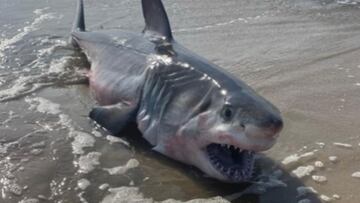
(186, 107)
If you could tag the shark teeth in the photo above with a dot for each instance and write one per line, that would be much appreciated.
(232, 147)
(231, 161)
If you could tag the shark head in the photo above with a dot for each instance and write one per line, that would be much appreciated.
(224, 136)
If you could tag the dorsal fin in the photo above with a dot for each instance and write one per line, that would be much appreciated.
(79, 23)
(156, 20)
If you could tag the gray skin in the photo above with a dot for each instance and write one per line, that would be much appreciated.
(186, 107)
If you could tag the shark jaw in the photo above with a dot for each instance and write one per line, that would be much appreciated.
(224, 162)
(223, 152)
(235, 164)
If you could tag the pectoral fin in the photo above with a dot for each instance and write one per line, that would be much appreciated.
(114, 118)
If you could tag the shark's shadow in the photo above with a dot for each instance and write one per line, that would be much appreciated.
(243, 192)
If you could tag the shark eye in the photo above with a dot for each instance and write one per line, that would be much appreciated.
(227, 113)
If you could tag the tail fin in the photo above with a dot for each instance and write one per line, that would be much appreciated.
(79, 23)
(156, 19)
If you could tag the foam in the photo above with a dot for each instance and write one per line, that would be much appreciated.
(58, 65)
(132, 163)
(57, 187)
(81, 141)
(43, 53)
(26, 84)
(10, 185)
(344, 145)
(20, 86)
(303, 171)
(35, 25)
(104, 186)
(81, 198)
(65, 121)
(113, 139)
(319, 179)
(336, 196)
(294, 158)
(319, 164)
(333, 159)
(40, 11)
(96, 133)
(43, 105)
(83, 183)
(325, 198)
(30, 83)
(132, 195)
(356, 174)
(8, 182)
(125, 194)
(10, 118)
(36, 151)
(3, 149)
(118, 41)
(347, 2)
(87, 163)
(320, 144)
(32, 200)
(41, 144)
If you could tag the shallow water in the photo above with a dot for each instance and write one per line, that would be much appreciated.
(303, 55)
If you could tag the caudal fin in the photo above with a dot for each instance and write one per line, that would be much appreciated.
(79, 23)
(156, 20)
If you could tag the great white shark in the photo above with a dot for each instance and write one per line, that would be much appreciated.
(186, 107)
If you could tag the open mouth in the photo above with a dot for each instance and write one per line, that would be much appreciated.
(232, 162)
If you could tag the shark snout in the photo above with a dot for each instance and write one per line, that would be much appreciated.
(269, 128)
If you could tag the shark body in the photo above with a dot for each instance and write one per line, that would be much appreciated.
(186, 107)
